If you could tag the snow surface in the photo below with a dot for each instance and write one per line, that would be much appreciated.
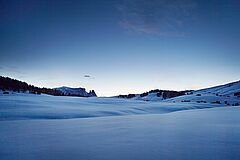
(29, 106)
(46, 127)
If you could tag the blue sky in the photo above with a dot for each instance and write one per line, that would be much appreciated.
(124, 46)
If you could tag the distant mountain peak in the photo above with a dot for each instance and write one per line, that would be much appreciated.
(92, 93)
(81, 92)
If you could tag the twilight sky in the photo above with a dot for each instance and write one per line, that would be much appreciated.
(121, 46)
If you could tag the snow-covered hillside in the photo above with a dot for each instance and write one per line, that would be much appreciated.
(17, 106)
(223, 94)
(49, 127)
(200, 125)
(226, 90)
(76, 92)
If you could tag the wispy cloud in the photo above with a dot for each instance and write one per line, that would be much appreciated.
(12, 69)
(157, 17)
(87, 76)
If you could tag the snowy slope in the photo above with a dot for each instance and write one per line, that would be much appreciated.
(227, 89)
(60, 127)
(29, 106)
(223, 94)
(206, 134)
(206, 98)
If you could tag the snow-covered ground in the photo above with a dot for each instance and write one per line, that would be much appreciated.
(29, 106)
(46, 127)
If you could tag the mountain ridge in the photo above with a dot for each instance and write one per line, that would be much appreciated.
(76, 91)
(14, 85)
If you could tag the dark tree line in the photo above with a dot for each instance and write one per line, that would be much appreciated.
(160, 93)
(171, 94)
(9, 84)
(127, 96)
(237, 94)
